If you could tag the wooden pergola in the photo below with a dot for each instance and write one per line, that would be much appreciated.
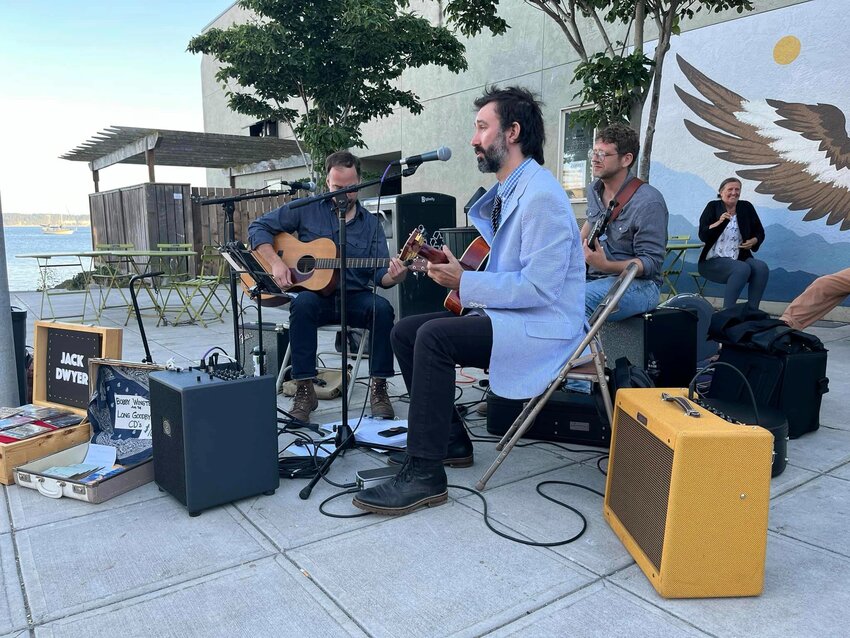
(239, 154)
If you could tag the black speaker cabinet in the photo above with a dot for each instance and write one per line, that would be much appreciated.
(662, 341)
(418, 294)
(275, 343)
(214, 440)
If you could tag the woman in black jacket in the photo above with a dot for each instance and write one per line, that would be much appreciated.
(732, 232)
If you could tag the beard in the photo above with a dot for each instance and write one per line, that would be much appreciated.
(492, 157)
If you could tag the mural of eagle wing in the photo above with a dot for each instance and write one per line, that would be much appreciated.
(802, 150)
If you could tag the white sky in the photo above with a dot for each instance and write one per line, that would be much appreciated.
(71, 69)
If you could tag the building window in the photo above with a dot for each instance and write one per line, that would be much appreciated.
(577, 140)
(263, 128)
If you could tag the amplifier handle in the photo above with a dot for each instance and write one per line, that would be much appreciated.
(683, 403)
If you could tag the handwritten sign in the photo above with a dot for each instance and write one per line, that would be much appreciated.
(133, 413)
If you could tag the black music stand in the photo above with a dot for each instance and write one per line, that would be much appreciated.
(241, 260)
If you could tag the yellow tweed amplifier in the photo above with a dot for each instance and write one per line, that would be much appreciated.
(688, 494)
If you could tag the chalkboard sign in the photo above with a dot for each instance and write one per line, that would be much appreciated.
(62, 353)
(68, 354)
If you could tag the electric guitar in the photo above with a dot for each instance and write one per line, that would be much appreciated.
(314, 265)
(473, 258)
(601, 225)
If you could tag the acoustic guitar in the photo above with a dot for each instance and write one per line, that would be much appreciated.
(473, 258)
(314, 265)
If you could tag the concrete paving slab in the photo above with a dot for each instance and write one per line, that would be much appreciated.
(842, 472)
(5, 524)
(816, 513)
(23, 633)
(519, 464)
(290, 522)
(790, 478)
(525, 513)
(30, 509)
(89, 561)
(13, 616)
(599, 610)
(438, 571)
(267, 597)
(821, 450)
(805, 595)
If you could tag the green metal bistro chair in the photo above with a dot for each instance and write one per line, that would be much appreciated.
(207, 287)
(176, 272)
(111, 273)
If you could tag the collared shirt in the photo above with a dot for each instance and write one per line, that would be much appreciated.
(640, 230)
(364, 235)
(506, 189)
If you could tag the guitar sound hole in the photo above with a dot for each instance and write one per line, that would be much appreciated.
(306, 264)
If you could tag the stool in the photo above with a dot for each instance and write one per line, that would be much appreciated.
(362, 332)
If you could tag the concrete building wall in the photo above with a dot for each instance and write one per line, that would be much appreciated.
(534, 53)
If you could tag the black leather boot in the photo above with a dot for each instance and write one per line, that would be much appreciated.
(419, 483)
(458, 453)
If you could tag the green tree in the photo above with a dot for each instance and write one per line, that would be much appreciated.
(617, 84)
(325, 68)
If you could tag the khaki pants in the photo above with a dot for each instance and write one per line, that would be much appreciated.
(824, 294)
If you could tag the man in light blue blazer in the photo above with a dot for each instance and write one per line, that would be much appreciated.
(526, 309)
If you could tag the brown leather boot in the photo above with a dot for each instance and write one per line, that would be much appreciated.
(380, 400)
(304, 401)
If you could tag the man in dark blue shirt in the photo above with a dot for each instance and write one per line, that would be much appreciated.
(309, 310)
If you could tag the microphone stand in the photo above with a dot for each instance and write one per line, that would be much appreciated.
(344, 438)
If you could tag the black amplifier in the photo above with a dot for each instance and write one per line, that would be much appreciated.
(214, 439)
(275, 343)
(567, 417)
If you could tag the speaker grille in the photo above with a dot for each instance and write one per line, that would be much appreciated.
(640, 485)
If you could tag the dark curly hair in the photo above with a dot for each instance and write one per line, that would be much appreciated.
(516, 104)
(624, 137)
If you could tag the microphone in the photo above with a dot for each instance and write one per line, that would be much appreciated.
(443, 154)
(300, 186)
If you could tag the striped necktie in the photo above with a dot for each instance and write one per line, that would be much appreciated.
(496, 215)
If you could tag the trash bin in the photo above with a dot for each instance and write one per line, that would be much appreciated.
(19, 334)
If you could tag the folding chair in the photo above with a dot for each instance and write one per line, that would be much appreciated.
(364, 336)
(176, 272)
(211, 274)
(110, 274)
(579, 366)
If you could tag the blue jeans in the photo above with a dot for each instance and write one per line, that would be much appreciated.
(309, 311)
(641, 296)
(736, 274)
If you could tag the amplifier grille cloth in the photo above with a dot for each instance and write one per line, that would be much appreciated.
(640, 485)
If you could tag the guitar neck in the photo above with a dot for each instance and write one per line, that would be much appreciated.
(352, 262)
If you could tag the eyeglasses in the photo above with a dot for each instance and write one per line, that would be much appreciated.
(600, 155)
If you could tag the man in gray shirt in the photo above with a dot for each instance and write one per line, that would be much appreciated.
(638, 234)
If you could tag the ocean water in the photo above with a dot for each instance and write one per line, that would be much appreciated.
(23, 273)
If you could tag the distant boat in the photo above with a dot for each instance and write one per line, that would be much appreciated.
(56, 229)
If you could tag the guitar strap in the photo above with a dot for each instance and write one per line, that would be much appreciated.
(625, 195)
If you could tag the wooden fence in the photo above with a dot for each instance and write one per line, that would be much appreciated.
(149, 214)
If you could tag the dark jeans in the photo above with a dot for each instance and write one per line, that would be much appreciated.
(736, 274)
(427, 348)
(308, 311)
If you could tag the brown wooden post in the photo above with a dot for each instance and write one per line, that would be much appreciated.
(149, 160)
(95, 175)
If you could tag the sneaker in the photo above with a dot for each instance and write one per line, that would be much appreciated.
(304, 401)
(382, 408)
